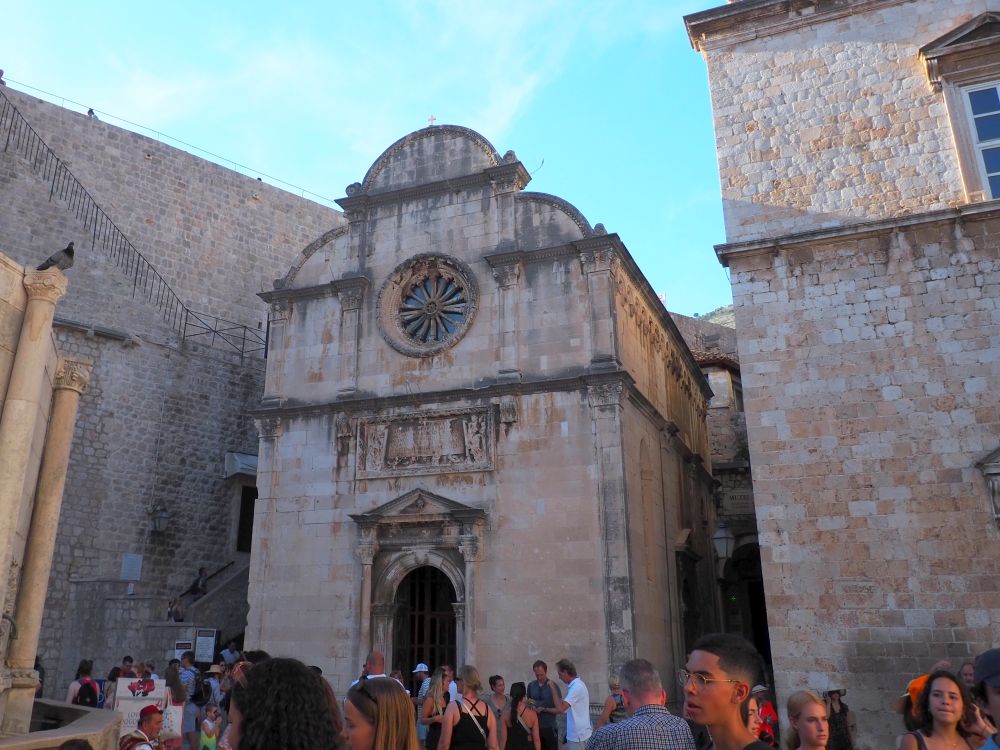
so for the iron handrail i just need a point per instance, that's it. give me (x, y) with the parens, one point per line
(147, 282)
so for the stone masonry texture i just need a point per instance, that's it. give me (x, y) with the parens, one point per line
(160, 414)
(866, 296)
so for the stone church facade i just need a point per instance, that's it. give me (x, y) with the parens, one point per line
(857, 144)
(519, 471)
(483, 439)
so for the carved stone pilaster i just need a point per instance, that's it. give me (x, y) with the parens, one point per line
(73, 374)
(352, 293)
(269, 427)
(508, 411)
(606, 394)
(459, 609)
(469, 546)
(593, 260)
(367, 552)
(507, 274)
(49, 285)
(281, 309)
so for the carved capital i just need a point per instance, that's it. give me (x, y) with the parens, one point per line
(269, 427)
(508, 410)
(507, 274)
(355, 214)
(606, 394)
(73, 374)
(384, 611)
(594, 260)
(459, 609)
(49, 285)
(281, 309)
(468, 545)
(343, 424)
(367, 551)
(351, 295)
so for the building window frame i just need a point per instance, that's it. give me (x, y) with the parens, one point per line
(965, 59)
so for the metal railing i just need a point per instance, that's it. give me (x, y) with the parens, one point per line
(147, 283)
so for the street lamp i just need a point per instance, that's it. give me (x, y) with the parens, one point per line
(723, 541)
(160, 518)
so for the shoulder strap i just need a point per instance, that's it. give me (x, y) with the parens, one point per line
(920, 740)
(521, 721)
(479, 726)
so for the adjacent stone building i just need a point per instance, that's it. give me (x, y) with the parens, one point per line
(857, 145)
(482, 437)
(170, 253)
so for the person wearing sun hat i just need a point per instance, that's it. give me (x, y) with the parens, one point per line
(145, 735)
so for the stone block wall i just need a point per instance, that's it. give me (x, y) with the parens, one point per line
(869, 378)
(159, 415)
(825, 117)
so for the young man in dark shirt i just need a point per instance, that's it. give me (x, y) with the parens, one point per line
(720, 670)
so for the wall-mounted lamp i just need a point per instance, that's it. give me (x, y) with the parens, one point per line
(723, 541)
(160, 518)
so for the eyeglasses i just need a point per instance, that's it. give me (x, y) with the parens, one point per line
(700, 681)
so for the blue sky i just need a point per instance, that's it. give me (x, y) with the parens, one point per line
(605, 103)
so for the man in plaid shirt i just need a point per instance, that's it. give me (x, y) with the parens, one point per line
(650, 725)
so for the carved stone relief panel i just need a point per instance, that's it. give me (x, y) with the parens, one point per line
(431, 443)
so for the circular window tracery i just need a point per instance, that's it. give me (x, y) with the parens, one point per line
(427, 304)
(434, 308)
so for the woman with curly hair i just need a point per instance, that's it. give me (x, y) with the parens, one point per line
(378, 715)
(810, 724)
(280, 703)
(943, 711)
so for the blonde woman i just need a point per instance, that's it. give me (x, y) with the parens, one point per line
(810, 724)
(614, 705)
(434, 707)
(378, 715)
(469, 724)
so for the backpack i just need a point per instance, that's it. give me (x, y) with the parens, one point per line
(87, 695)
(202, 692)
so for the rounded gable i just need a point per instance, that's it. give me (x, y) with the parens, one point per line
(440, 152)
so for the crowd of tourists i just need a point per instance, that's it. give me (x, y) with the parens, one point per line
(266, 702)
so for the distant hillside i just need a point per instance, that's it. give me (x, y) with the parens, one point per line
(723, 316)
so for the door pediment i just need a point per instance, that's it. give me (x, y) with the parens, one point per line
(420, 507)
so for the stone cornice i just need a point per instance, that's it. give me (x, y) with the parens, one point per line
(345, 285)
(361, 405)
(752, 19)
(982, 211)
(509, 174)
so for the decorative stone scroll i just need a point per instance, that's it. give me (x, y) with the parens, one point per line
(431, 443)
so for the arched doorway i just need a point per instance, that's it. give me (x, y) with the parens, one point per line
(424, 624)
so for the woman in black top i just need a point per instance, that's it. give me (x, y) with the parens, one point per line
(434, 708)
(469, 724)
(519, 722)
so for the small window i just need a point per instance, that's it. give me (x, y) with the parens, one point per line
(984, 112)
(244, 529)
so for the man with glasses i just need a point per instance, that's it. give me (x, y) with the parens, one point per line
(650, 725)
(720, 670)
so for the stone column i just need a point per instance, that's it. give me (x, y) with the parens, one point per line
(270, 429)
(600, 263)
(382, 614)
(507, 275)
(21, 407)
(72, 377)
(459, 609)
(351, 293)
(281, 310)
(605, 401)
(469, 546)
(366, 551)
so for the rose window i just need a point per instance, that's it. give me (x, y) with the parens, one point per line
(433, 309)
(427, 304)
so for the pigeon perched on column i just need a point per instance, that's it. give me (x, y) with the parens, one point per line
(61, 260)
